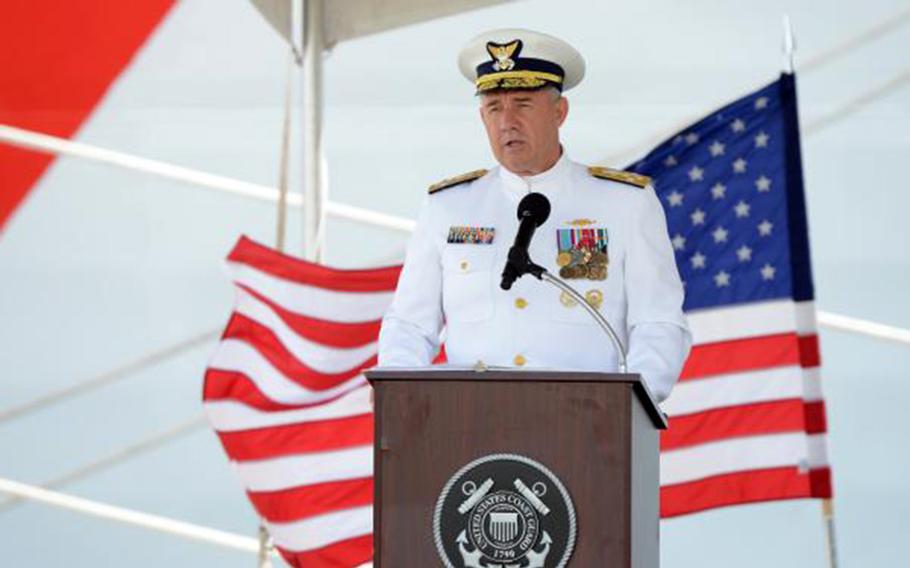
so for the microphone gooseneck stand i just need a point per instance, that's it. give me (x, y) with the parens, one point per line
(598, 317)
(520, 264)
(533, 211)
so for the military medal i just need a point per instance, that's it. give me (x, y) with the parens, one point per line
(467, 235)
(582, 253)
(595, 298)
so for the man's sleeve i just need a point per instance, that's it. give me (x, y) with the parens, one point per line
(659, 337)
(409, 336)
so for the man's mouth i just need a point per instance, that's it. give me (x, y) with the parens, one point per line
(512, 144)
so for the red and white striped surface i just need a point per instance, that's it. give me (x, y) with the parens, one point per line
(286, 395)
(747, 418)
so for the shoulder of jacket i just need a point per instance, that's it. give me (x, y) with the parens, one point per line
(630, 178)
(457, 180)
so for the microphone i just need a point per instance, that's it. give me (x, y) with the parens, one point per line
(533, 211)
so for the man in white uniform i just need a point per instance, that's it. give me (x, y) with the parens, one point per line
(606, 236)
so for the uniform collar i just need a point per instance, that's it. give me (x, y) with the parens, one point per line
(548, 182)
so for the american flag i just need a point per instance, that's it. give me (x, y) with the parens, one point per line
(747, 419)
(286, 395)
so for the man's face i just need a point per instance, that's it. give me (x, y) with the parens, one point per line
(523, 128)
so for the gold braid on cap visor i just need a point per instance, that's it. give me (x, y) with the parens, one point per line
(516, 80)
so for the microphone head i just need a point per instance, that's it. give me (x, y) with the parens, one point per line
(536, 206)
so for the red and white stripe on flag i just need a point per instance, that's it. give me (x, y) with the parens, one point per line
(286, 395)
(747, 419)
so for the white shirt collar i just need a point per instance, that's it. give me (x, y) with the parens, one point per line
(547, 182)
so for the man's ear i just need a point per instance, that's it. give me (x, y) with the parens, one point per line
(562, 109)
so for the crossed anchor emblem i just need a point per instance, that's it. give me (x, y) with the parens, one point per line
(472, 559)
(505, 522)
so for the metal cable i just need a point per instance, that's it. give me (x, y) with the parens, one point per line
(116, 457)
(812, 64)
(108, 377)
(130, 517)
(857, 103)
(866, 36)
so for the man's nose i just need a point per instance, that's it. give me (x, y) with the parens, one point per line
(507, 119)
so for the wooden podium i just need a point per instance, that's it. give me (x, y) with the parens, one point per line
(596, 432)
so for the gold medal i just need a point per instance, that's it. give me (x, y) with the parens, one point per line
(597, 272)
(595, 298)
(582, 252)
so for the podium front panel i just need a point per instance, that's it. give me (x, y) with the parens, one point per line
(587, 434)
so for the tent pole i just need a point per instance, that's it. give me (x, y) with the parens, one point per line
(313, 51)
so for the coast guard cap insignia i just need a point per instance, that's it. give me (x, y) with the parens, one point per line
(514, 58)
(504, 511)
(503, 53)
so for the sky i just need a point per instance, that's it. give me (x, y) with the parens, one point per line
(102, 265)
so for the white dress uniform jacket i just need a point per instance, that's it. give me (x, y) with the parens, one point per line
(456, 285)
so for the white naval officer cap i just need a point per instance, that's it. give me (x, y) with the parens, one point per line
(513, 58)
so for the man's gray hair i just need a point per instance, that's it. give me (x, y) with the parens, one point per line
(555, 93)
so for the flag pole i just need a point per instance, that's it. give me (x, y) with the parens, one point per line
(789, 45)
(284, 163)
(264, 556)
(313, 53)
(265, 548)
(828, 514)
(789, 51)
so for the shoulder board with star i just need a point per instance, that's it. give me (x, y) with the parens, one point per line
(621, 176)
(457, 180)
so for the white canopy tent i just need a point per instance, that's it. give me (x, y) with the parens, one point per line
(350, 19)
(311, 28)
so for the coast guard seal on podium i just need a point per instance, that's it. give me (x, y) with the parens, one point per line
(504, 511)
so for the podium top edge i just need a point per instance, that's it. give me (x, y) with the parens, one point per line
(399, 374)
(467, 373)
